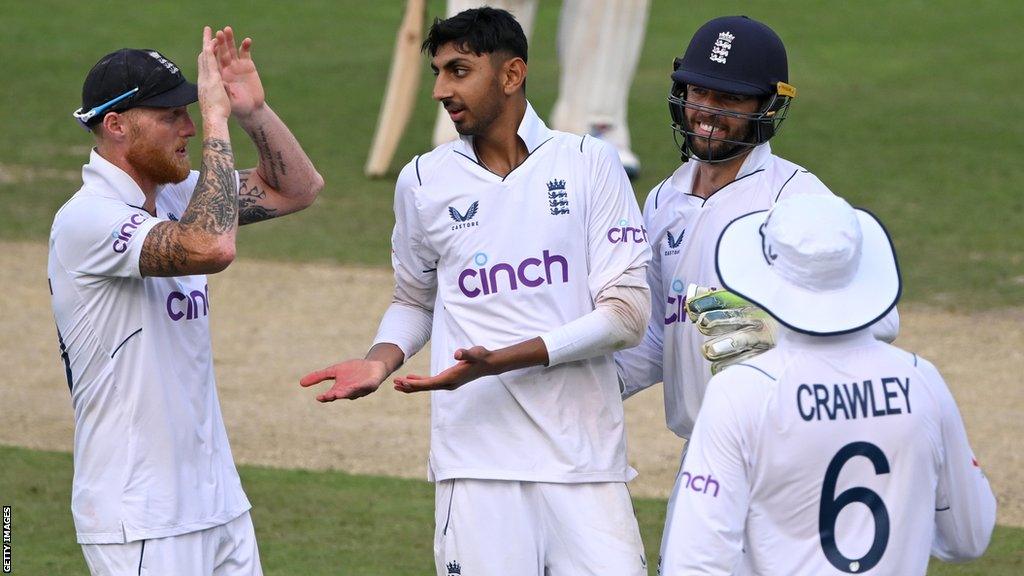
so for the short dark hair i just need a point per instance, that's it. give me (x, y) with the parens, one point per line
(479, 30)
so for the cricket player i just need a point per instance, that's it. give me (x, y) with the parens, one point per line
(155, 488)
(519, 251)
(833, 453)
(729, 96)
(599, 44)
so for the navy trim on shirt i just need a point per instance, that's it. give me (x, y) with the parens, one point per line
(473, 160)
(448, 518)
(758, 369)
(480, 164)
(795, 172)
(730, 184)
(657, 192)
(141, 554)
(123, 341)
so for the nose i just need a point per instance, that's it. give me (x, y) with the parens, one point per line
(189, 128)
(441, 91)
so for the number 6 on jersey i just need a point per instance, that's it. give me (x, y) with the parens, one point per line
(831, 506)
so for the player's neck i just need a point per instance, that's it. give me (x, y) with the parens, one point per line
(500, 149)
(711, 178)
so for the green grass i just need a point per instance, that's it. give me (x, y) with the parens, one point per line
(312, 523)
(908, 108)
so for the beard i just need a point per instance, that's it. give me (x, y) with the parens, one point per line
(156, 162)
(480, 121)
(712, 147)
(482, 115)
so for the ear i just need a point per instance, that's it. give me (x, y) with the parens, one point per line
(513, 75)
(115, 125)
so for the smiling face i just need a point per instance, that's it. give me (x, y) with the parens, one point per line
(158, 143)
(715, 134)
(469, 86)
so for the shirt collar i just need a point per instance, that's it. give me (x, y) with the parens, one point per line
(756, 160)
(103, 177)
(532, 131)
(682, 178)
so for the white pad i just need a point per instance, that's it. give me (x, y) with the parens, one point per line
(599, 45)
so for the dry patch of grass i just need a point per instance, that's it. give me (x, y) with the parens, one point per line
(274, 322)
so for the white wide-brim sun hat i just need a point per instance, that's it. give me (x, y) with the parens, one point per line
(815, 263)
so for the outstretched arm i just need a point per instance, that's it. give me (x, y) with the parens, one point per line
(284, 180)
(357, 378)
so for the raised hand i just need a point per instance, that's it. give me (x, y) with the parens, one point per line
(213, 99)
(239, 72)
(352, 379)
(472, 363)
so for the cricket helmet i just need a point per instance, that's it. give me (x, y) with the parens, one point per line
(736, 55)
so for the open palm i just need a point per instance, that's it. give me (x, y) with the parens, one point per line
(352, 379)
(242, 82)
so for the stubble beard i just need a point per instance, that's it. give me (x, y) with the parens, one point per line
(708, 149)
(485, 114)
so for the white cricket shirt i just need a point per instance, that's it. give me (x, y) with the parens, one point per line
(684, 231)
(827, 455)
(502, 260)
(151, 453)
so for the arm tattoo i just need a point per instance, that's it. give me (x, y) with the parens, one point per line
(162, 252)
(214, 204)
(213, 210)
(251, 200)
(271, 161)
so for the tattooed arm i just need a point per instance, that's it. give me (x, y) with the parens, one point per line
(203, 240)
(284, 180)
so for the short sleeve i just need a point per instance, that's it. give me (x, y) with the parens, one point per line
(101, 237)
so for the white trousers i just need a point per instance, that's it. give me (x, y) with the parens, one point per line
(225, 550)
(500, 527)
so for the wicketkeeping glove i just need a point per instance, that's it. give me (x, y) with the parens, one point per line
(736, 329)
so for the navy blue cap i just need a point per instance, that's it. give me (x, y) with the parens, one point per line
(152, 79)
(734, 54)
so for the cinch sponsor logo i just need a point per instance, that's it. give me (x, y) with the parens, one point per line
(700, 484)
(530, 273)
(190, 307)
(123, 235)
(675, 310)
(625, 233)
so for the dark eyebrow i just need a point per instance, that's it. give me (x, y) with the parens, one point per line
(449, 64)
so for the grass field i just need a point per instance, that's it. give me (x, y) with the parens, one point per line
(910, 109)
(314, 523)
